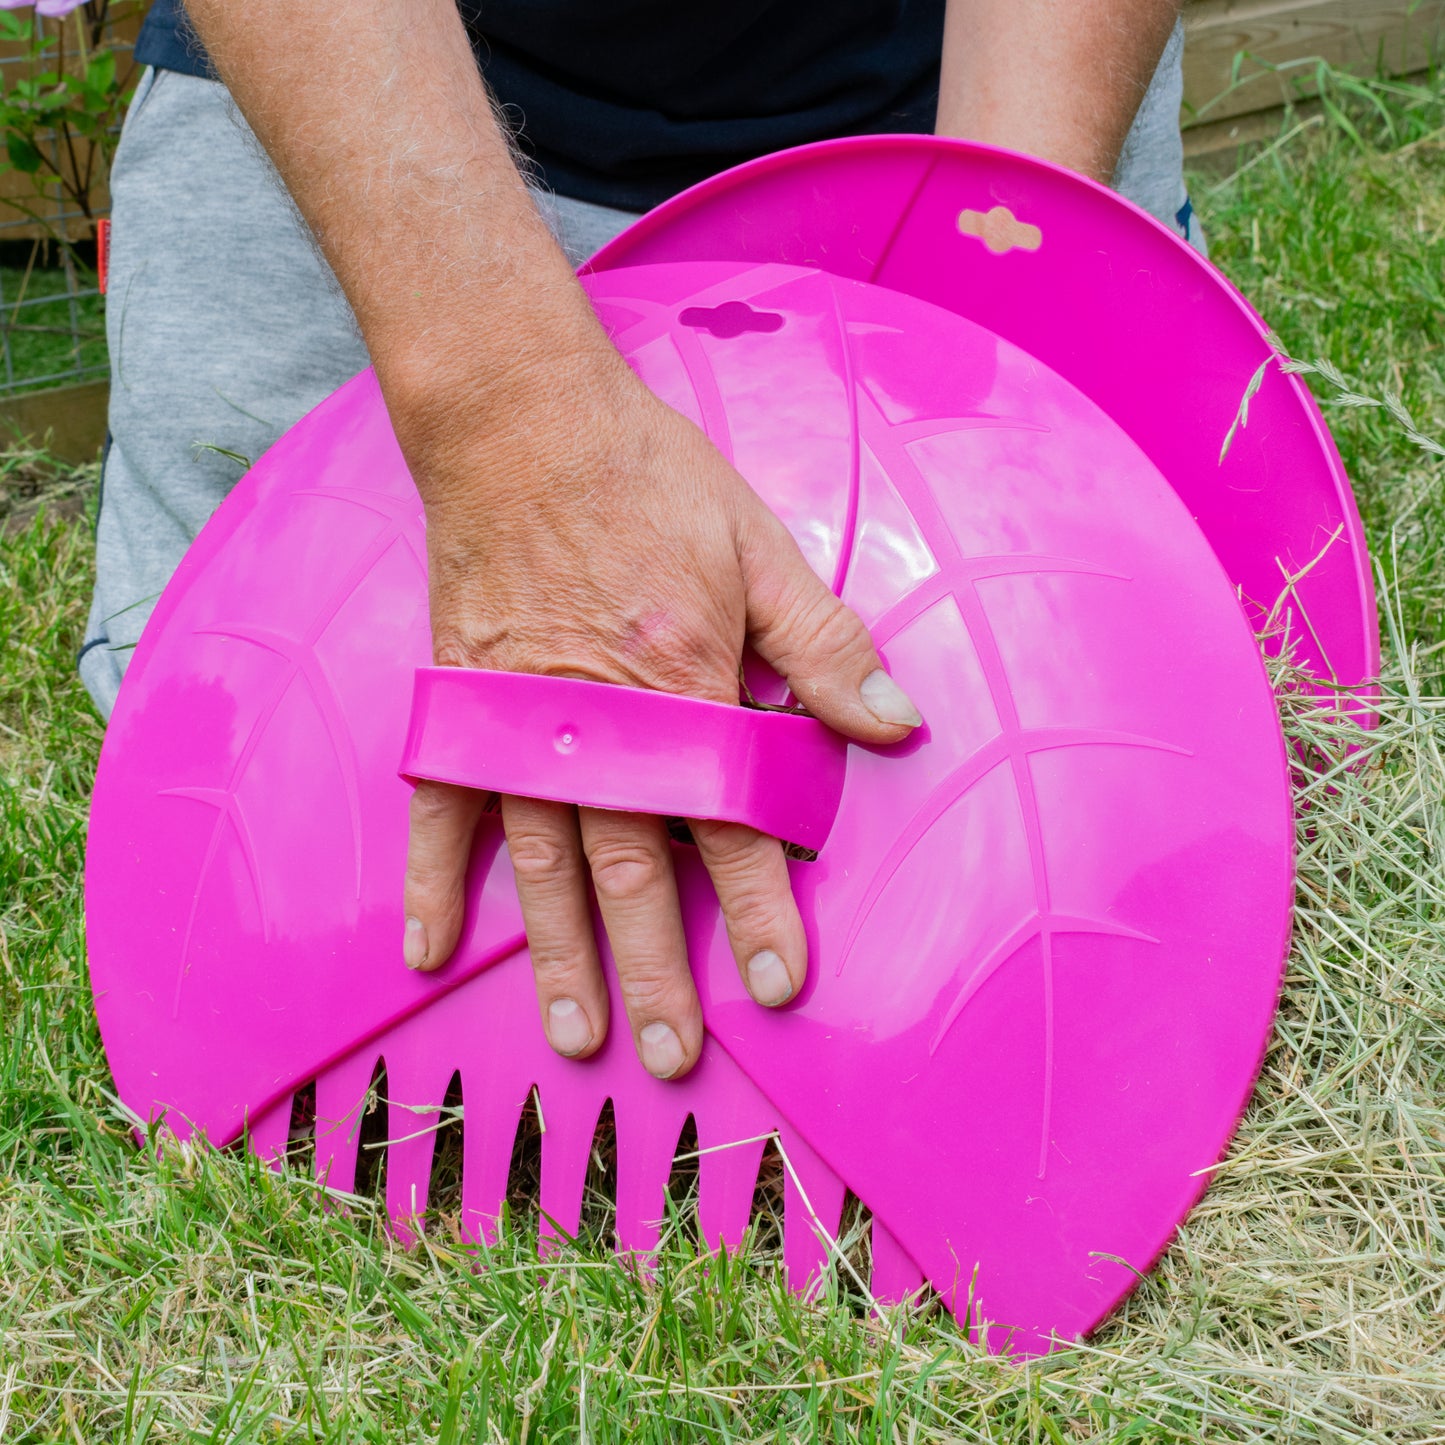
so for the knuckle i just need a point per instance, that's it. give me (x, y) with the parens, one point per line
(655, 990)
(561, 966)
(820, 629)
(423, 893)
(753, 917)
(538, 858)
(750, 877)
(431, 878)
(732, 851)
(750, 891)
(626, 872)
(427, 890)
(431, 804)
(831, 630)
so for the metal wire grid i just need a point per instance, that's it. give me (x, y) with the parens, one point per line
(74, 326)
(67, 317)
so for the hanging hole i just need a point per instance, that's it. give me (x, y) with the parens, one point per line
(372, 1137)
(1000, 230)
(732, 318)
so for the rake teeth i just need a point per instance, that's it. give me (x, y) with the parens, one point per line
(647, 1136)
(732, 1132)
(895, 1277)
(487, 1137)
(727, 1176)
(413, 1113)
(566, 1147)
(267, 1134)
(812, 1210)
(340, 1097)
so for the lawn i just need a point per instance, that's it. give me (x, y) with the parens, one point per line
(180, 1295)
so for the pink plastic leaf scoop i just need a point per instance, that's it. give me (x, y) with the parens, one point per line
(1045, 934)
(1114, 302)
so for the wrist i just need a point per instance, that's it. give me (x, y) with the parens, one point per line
(505, 413)
(484, 364)
(477, 322)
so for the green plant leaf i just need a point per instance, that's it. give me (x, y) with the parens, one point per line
(22, 152)
(15, 27)
(100, 74)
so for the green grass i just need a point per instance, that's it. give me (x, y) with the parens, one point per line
(195, 1296)
(1337, 237)
(46, 339)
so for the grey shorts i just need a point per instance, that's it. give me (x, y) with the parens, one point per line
(226, 326)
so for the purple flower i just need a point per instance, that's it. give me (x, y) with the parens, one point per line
(54, 9)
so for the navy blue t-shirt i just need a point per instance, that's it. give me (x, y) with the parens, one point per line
(626, 102)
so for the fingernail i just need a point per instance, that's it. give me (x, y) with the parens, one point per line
(567, 1026)
(768, 980)
(413, 943)
(661, 1050)
(887, 701)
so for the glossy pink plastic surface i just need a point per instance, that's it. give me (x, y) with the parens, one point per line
(1045, 933)
(616, 747)
(1114, 302)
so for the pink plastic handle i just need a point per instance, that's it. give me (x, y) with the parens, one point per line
(621, 747)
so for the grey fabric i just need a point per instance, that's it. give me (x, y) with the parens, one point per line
(1151, 166)
(225, 325)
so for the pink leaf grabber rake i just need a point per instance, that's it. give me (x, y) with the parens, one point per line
(1045, 933)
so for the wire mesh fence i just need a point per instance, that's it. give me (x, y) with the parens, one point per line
(52, 326)
(52, 322)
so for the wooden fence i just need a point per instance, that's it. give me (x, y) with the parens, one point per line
(1229, 101)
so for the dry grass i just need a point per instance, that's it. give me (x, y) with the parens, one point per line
(31, 482)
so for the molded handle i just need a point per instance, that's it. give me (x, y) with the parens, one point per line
(621, 747)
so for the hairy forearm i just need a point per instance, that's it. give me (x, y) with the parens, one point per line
(1060, 79)
(378, 120)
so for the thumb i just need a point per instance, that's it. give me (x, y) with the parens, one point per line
(819, 646)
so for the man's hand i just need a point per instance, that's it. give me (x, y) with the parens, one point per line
(601, 535)
(574, 523)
